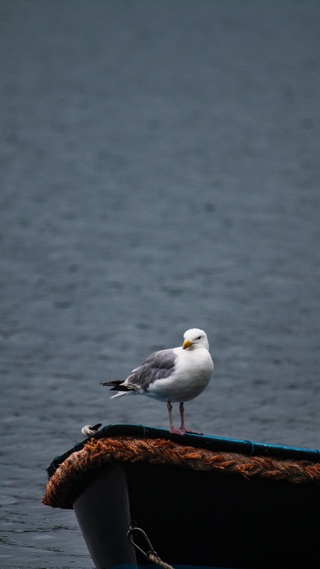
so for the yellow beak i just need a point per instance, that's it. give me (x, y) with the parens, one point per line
(186, 344)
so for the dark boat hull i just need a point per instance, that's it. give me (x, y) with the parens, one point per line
(198, 518)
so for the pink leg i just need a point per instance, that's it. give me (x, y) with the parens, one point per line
(183, 427)
(172, 428)
(181, 409)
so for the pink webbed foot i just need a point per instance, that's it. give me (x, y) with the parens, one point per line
(174, 431)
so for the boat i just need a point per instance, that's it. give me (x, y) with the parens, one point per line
(145, 497)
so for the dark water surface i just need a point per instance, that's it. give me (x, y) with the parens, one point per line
(159, 171)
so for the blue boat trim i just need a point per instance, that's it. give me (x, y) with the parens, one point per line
(209, 442)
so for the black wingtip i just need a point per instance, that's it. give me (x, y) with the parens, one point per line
(115, 384)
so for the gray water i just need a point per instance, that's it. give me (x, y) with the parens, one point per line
(159, 171)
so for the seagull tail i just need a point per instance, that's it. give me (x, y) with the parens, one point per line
(118, 385)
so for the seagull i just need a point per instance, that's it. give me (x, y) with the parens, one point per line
(174, 375)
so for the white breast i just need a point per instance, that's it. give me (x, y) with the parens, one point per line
(192, 373)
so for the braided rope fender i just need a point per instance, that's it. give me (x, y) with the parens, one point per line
(98, 452)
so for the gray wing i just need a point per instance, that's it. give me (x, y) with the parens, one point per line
(158, 365)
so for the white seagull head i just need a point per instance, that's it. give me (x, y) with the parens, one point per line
(195, 338)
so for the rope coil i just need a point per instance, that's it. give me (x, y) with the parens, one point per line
(98, 452)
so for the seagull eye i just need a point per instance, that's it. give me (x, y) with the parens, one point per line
(199, 338)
